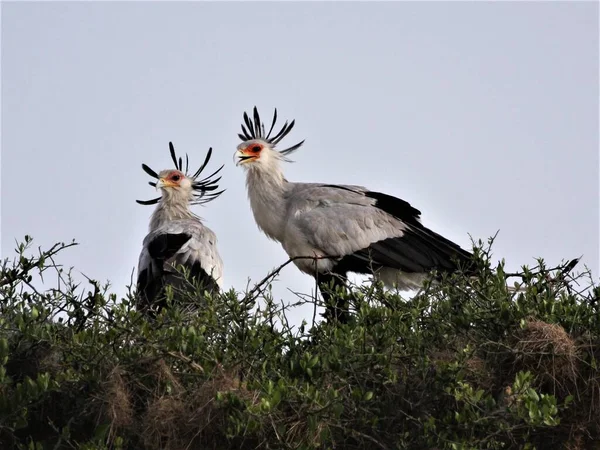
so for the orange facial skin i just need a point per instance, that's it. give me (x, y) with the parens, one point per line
(172, 179)
(251, 152)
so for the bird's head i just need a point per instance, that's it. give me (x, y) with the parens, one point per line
(258, 149)
(179, 186)
(174, 183)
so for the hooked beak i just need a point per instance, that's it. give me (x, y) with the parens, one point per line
(164, 183)
(243, 158)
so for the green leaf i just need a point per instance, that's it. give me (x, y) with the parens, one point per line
(531, 393)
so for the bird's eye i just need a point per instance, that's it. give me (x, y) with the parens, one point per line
(255, 149)
(175, 177)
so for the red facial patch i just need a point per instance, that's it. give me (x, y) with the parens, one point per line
(254, 149)
(175, 176)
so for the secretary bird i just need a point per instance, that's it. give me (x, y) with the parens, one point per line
(177, 236)
(344, 228)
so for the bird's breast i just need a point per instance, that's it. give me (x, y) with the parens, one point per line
(307, 258)
(269, 215)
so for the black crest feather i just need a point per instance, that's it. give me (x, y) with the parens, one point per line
(205, 190)
(255, 129)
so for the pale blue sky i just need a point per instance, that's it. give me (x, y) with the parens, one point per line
(482, 115)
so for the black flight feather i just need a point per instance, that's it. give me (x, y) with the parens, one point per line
(396, 207)
(165, 245)
(152, 281)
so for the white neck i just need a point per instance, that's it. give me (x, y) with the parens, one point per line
(266, 191)
(173, 208)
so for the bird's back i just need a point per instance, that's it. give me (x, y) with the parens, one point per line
(367, 229)
(185, 242)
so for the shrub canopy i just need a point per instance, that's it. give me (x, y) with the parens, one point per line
(467, 363)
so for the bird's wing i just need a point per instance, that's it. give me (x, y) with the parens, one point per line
(421, 245)
(186, 242)
(149, 280)
(152, 276)
(365, 229)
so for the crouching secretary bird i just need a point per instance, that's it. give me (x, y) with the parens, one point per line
(335, 229)
(177, 236)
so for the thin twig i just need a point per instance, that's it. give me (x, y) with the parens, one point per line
(250, 295)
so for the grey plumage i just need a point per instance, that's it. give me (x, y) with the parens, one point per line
(177, 236)
(361, 230)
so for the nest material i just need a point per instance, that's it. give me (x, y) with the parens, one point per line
(548, 351)
(188, 419)
(118, 405)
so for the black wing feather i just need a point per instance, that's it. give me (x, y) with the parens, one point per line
(411, 253)
(152, 281)
(164, 246)
(396, 207)
(418, 250)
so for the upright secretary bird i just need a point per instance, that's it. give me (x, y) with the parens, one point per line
(177, 236)
(362, 231)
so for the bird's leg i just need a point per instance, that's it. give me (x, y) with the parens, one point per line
(336, 306)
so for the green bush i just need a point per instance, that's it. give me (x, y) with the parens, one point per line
(468, 363)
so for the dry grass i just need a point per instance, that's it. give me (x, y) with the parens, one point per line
(117, 405)
(119, 408)
(164, 423)
(548, 351)
(169, 416)
(189, 419)
(479, 374)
